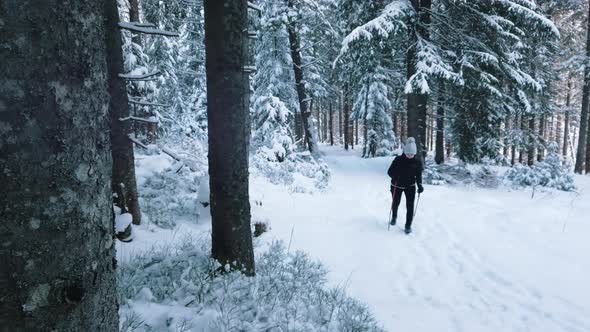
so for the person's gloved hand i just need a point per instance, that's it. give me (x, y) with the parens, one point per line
(420, 189)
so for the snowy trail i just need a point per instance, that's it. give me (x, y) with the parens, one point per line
(479, 260)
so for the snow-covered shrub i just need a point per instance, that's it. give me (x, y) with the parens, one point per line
(460, 173)
(300, 171)
(549, 173)
(172, 287)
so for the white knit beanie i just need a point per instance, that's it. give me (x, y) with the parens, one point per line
(410, 146)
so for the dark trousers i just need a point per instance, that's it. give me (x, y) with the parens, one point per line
(410, 193)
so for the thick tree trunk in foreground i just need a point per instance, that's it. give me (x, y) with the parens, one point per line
(57, 253)
(123, 180)
(226, 45)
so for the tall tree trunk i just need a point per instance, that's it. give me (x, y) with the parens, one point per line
(226, 47)
(57, 253)
(134, 17)
(581, 152)
(331, 123)
(346, 108)
(416, 101)
(123, 181)
(506, 130)
(356, 128)
(566, 115)
(295, 46)
(542, 125)
(531, 141)
(341, 111)
(521, 148)
(439, 154)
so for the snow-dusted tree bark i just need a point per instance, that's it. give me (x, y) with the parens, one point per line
(123, 180)
(134, 17)
(226, 47)
(581, 152)
(531, 141)
(566, 124)
(331, 123)
(439, 155)
(57, 258)
(346, 113)
(295, 45)
(417, 100)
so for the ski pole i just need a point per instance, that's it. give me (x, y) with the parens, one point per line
(417, 202)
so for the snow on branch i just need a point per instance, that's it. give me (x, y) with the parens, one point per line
(143, 25)
(149, 31)
(134, 118)
(249, 69)
(176, 157)
(254, 7)
(144, 77)
(145, 103)
(136, 141)
(390, 21)
(252, 34)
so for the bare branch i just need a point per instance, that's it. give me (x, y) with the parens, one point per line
(254, 7)
(134, 118)
(149, 31)
(144, 77)
(145, 103)
(136, 141)
(143, 25)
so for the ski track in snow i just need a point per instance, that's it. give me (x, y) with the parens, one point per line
(478, 260)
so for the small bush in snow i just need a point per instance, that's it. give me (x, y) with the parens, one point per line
(301, 171)
(459, 173)
(170, 194)
(175, 287)
(549, 173)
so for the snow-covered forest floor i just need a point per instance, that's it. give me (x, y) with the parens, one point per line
(478, 260)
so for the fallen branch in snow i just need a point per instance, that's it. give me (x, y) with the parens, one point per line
(143, 77)
(145, 103)
(137, 142)
(149, 31)
(134, 118)
(177, 158)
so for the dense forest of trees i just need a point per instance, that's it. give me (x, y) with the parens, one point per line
(82, 84)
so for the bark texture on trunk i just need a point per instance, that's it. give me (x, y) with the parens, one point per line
(57, 258)
(581, 152)
(531, 141)
(439, 154)
(226, 46)
(295, 46)
(416, 101)
(331, 124)
(345, 108)
(123, 181)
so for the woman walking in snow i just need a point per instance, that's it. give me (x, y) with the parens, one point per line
(405, 173)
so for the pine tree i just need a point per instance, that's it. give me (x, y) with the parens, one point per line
(57, 259)
(226, 43)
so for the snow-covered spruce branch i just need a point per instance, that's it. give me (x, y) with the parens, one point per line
(134, 118)
(390, 21)
(145, 103)
(254, 7)
(149, 31)
(144, 77)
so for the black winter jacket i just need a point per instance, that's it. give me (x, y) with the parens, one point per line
(405, 172)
